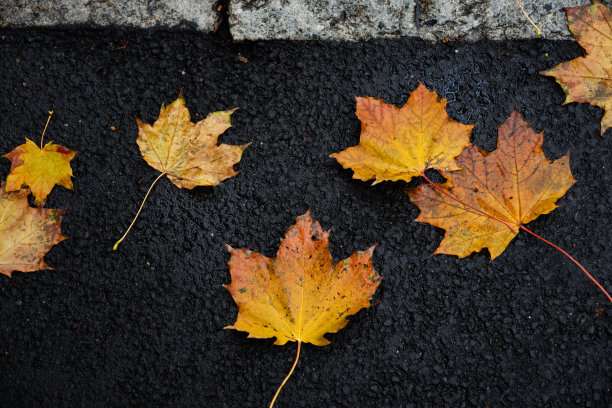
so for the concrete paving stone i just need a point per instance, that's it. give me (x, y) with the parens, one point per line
(504, 19)
(135, 13)
(429, 19)
(351, 20)
(440, 19)
(323, 20)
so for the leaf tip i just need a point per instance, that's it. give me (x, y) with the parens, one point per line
(370, 250)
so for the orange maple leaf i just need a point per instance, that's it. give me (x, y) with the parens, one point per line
(187, 153)
(27, 233)
(401, 143)
(589, 79)
(301, 294)
(40, 168)
(495, 194)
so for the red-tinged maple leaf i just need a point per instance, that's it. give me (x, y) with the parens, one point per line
(490, 200)
(515, 184)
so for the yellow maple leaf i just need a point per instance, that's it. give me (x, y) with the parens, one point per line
(26, 233)
(401, 143)
(187, 153)
(301, 294)
(40, 168)
(589, 79)
(494, 194)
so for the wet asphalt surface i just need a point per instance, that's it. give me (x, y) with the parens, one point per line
(143, 326)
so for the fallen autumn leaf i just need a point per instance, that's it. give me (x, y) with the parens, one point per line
(301, 294)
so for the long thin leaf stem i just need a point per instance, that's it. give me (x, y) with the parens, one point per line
(572, 259)
(45, 129)
(297, 357)
(521, 227)
(138, 213)
(526, 15)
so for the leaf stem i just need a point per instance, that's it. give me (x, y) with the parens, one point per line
(138, 213)
(297, 356)
(45, 129)
(526, 15)
(521, 227)
(572, 259)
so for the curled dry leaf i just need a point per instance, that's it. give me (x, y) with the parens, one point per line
(503, 190)
(26, 233)
(39, 168)
(589, 79)
(301, 294)
(401, 143)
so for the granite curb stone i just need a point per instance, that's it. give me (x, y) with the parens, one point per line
(129, 13)
(337, 20)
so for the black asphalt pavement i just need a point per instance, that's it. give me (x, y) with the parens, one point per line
(143, 326)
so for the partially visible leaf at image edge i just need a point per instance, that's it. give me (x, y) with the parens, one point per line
(301, 294)
(26, 233)
(588, 79)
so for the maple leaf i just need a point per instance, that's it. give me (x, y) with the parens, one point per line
(589, 79)
(187, 153)
(40, 168)
(301, 294)
(401, 143)
(26, 233)
(495, 194)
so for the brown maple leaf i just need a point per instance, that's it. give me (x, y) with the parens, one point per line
(26, 233)
(401, 143)
(589, 79)
(495, 194)
(40, 168)
(503, 190)
(301, 294)
(187, 153)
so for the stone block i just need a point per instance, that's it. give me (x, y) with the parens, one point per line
(504, 19)
(321, 20)
(429, 19)
(134, 13)
(447, 19)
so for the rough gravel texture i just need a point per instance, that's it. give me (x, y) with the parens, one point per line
(143, 326)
